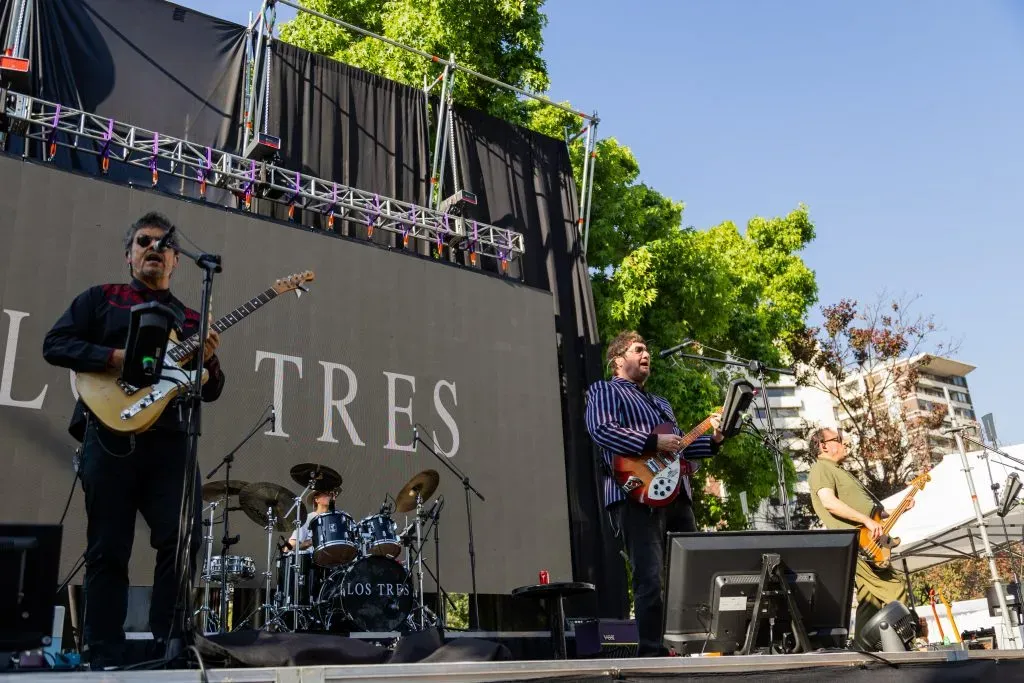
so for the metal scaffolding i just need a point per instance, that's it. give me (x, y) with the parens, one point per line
(54, 126)
(257, 88)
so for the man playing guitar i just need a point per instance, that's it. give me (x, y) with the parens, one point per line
(621, 418)
(841, 502)
(123, 475)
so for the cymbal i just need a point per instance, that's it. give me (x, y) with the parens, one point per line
(424, 483)
(215, 489)
(256, 498)
(325, 478)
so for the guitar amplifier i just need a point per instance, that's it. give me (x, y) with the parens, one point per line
(611, 638)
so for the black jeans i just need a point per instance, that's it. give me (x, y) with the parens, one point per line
(119, 482)
(643, 530)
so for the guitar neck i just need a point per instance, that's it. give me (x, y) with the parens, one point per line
(900, 509)
(186, 348)
(696, 433)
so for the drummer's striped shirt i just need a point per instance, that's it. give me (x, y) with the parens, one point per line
(621, 417)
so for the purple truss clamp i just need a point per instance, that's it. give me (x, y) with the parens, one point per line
(474, 240)
(105, 147)
(153, 158)
(52, 137)
(372, 216)
(330, 209)
(443, 229)
(206, 165)
(293, 198)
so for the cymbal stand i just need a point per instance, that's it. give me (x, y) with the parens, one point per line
(419, 555)
(271, 521)
(297, 507)
(206, 569)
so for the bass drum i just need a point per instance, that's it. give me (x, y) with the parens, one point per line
(373, 594)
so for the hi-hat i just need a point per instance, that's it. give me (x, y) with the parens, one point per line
(324, 478)
(256, 498)
(215, 489)
(424, 483)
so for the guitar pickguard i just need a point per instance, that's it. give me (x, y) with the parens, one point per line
(173, 377)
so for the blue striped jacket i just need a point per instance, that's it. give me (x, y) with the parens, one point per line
(620, 419)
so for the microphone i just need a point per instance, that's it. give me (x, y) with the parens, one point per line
(415, 436)
(433, 510)
(165, 240)
(273, 419)
(665, 353)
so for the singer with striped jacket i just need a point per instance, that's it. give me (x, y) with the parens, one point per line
(621, 417)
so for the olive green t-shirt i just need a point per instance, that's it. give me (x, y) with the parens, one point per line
(826, 474)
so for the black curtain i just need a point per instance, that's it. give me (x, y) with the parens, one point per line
(523, 181)
(146, 62)
(343, 124)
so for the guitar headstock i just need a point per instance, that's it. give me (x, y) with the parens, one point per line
(296, 282)
(920, 480)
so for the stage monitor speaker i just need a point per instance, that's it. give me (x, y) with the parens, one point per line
(606, 638)
(29, 562)
(714, 578)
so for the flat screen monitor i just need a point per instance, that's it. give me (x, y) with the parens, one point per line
(712, 579)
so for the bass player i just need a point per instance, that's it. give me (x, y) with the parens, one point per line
(621, 417)
(123, 475)
(841, 502)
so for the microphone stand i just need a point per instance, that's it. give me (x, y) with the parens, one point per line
(771, 439)
(227, 541)
(474, 615)
(211, 264)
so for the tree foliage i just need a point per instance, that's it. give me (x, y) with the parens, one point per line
(967, 579)
(737, 292)
(742, 292)
(858, 357)
(499, 38)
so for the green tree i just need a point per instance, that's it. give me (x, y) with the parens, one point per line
(741, 292)
(498, 38)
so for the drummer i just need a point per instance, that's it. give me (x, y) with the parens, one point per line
(321, 500)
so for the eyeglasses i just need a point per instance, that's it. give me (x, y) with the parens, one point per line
(146, 240)
(837, 438)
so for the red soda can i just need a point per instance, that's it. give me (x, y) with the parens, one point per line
(544, 576)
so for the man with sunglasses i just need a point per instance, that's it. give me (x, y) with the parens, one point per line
(126, 475)
(842, 502)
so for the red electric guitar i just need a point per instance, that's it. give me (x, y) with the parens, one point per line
(655, 478)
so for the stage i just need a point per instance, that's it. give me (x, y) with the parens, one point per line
(987, 665)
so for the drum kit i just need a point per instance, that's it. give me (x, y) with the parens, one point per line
(335, 574)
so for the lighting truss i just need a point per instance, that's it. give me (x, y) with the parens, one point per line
(57, 125)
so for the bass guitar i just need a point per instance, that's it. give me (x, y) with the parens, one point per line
(126, 409)
(655, 478)
(877, 551)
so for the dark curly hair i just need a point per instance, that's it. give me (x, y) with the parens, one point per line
(153, 219)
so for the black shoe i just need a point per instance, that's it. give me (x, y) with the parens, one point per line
(103, 656)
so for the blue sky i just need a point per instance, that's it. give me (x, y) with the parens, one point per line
(900, 125)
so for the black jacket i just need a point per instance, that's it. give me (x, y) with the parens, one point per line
(96, 323)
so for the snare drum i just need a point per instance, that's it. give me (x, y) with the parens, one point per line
(379, 534)
(238, 568)
(335, 541)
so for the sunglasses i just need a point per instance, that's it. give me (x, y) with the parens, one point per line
(146, 240)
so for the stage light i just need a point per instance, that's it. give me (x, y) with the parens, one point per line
(1011, 490)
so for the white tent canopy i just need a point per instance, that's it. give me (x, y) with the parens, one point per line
(942, 525)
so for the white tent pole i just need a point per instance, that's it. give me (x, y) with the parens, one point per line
(997, 583)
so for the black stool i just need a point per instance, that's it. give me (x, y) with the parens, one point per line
(554, 593)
